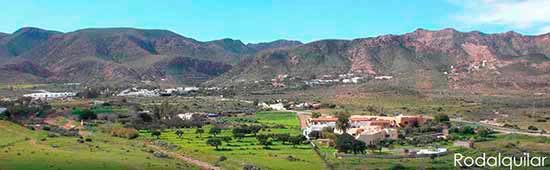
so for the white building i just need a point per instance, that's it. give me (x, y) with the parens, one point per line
(139, 92)
(45, 95)
(277, 106)
(383, 77)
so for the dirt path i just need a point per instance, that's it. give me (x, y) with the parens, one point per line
(303, 116)
(199, 163)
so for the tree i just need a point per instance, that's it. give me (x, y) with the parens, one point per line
(216, 142)
(531, 127)
(87, 114)
(238, 136)
(372, 147)
(344, 143)
(226, 139)
(283, 138)
(358, 146)
(343, 123)
(254, 129)
(483, 132)
(264, 140)
(179, 133)
(315, 115)
(156, 133)
(199, 131)
(296, 140)
(441, 118)
(214, 131)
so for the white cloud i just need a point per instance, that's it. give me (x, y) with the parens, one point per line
(544, 30)
(521, 14)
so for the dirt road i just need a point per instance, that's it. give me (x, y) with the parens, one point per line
(199, 163)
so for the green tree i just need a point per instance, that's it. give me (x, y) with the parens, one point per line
(343, 123)
(264, 140)
(483, 132)
(344, 143)
(315, 115)
(358, 146)
(283, 138)
(296, 140)
(179, 133)
(216, 142)
(214, 131)
(531, 127)
(87, 114)
(254, 129)
(441, 118)
(199, 131)
(156, 133)
(238, 136)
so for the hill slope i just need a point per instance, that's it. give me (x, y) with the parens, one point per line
(471, 60)
(115, 55)
(26, 149)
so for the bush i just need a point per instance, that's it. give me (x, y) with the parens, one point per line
(531, 127)
(129, 133)
(441, 118)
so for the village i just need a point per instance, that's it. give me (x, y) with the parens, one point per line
(300, 129)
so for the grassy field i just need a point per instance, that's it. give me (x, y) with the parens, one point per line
(247, 150)
(505, 144)
(33, 150)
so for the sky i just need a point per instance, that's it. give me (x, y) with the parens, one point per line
(267, 20)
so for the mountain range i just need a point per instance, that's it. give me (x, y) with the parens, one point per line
(445, 59)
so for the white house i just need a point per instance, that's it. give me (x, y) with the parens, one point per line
(383, 77)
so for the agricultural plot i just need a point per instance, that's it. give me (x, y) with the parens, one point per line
(241, 152)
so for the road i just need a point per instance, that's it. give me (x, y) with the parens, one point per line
(502, 129)
(303, 116)
(199, 163)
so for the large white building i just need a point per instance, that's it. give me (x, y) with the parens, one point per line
(139, 92)
(45, 95)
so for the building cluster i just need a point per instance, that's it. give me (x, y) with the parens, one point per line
(160, 92)
(369, 129)
(45, 95)
(341, 78)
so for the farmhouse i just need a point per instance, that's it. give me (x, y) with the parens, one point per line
(370, 129)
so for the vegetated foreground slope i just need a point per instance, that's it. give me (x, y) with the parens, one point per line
(471, 60)
(22, 148)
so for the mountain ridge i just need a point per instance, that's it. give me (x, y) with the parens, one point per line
(130, 55)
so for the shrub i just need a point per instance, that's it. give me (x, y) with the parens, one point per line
(118, 130)
(531, 127)
(128, 133)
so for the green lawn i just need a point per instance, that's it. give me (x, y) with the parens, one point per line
(23, 149)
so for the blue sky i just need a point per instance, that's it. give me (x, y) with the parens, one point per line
(267, 20)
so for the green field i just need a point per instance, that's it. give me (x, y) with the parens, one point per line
(33, 150)
(505, 144)
(247, 151)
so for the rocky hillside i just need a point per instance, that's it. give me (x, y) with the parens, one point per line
(116, 55)
(445, 59)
